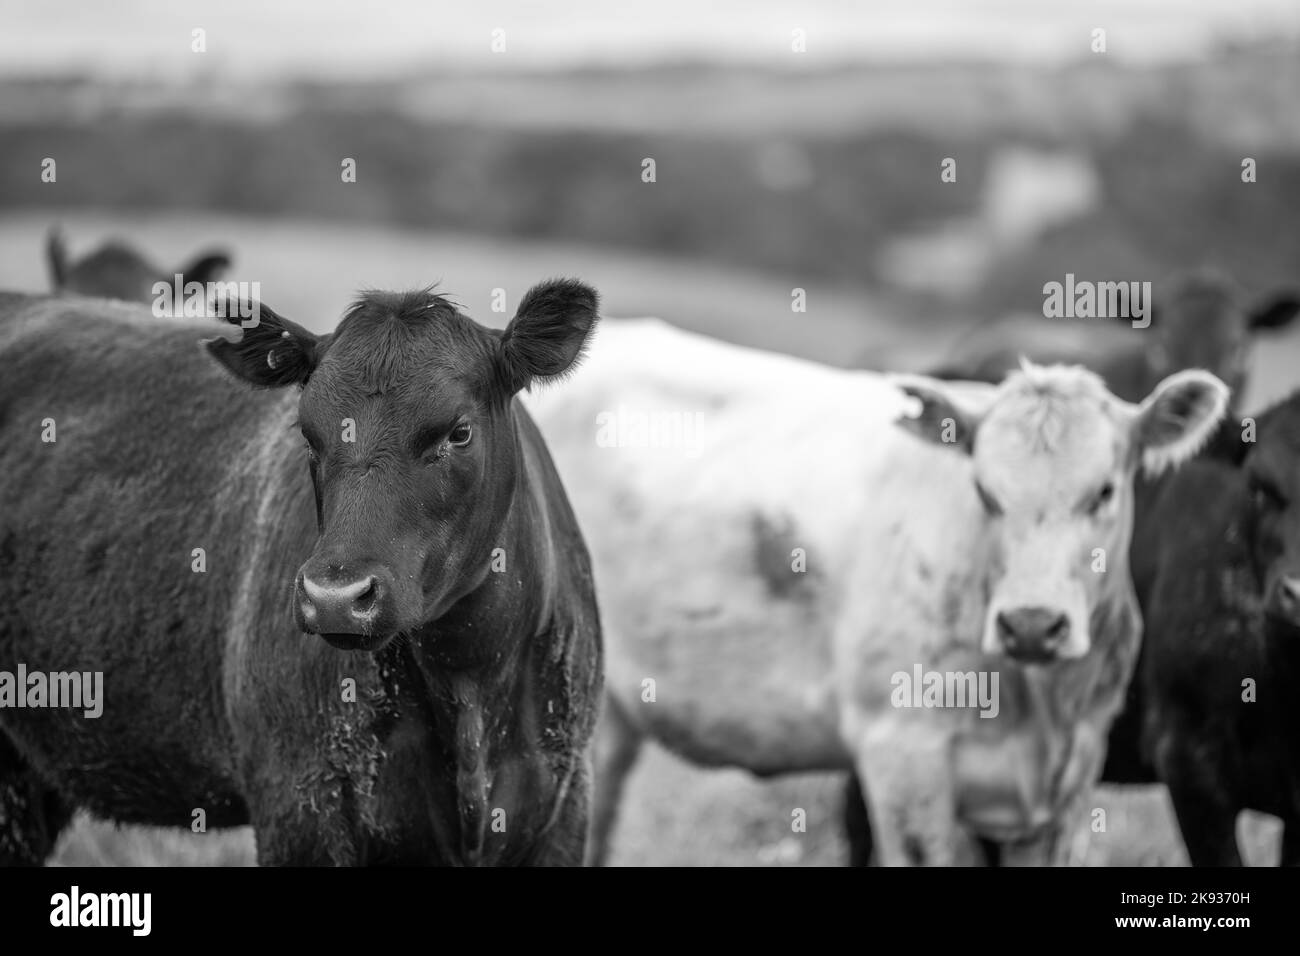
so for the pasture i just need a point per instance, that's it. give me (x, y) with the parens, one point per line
(673, 814)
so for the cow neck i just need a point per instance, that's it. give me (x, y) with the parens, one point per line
(476, 663)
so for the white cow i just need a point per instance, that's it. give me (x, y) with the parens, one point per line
(775, 542)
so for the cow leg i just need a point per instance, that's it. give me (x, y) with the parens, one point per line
(857, 822)
(1064, 843)
(1058, 846)
(287, 836)
(618, 742)
(909, 790)
(1024, 853)
(992, 851)
(31, 814)
(1208, 828)
(566, 843)
(286, 846)
(1207, 815)
(1290, 843)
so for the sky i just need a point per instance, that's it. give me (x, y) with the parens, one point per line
(378, 38)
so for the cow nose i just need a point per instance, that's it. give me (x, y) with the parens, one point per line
(339, 607)
(1033, 634)
(1286, 598)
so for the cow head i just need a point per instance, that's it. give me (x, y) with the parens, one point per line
(1204, 323)
(1054, 456)
(408, 421)
(117, 271)
(1271, 467)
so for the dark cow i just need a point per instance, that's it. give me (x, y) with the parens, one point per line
(117, 271)
(1202, 322)
(1126, 761)
(380, 487)
(1220, 592)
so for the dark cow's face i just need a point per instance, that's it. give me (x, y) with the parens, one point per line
(408, 425)
(1272, 472)
(1203, 324)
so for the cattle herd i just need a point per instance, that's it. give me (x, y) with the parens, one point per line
(417, 590)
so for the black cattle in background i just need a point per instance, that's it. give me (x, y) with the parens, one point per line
(1221, 601)
(1202, 321)
(117, 271)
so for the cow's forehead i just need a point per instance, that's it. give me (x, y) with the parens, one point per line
(415, 349)
(1049, 432)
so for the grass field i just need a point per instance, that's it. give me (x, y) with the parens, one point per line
(678, 815)
(673, 814)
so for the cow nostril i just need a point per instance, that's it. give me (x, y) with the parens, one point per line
(361, 592)
(367, 594)
(1058, 629)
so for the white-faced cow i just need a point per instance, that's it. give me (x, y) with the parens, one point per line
(776, 542)
(117, 271)
(176, 531)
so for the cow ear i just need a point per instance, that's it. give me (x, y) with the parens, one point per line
(941, 420)
(1177, 418)
(207, 267)
(1276, 311)
(548, 334)
(270, 354)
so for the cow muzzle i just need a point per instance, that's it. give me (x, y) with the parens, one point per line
(351, 612)
(1033, 635)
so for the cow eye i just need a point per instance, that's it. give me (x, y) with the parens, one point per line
(460, 435)
(1102, 498)
(987, 500)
